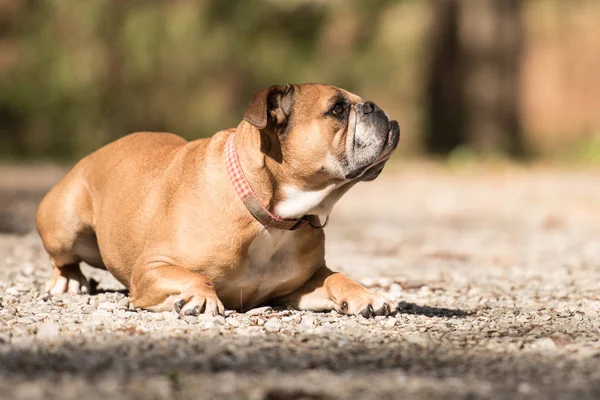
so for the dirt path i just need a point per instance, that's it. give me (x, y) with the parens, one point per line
(497, 271)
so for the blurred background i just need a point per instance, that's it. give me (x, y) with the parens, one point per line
(505, 77)
(467, 79)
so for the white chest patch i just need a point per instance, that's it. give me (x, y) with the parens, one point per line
(299, 202)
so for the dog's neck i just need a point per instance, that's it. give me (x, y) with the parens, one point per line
(281, 198)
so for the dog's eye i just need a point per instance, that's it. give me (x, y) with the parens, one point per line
(338, 109)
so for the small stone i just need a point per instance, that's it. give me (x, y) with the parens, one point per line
(273, 325)
(25, 320)
(155, 316)
(307, 321)
(28, 270)
(259, 310)
(368, 282)
(425, 291)
(384, 282)
(395, 289)
(210, 321)
(101, 315)
(319, 330)
(13, 291)
(169, 315)
(48, 331)
(582, 353)
(525, 388)
(107, 306)
(390, 322)
(123, 303)
(416, 338)
(544, 346)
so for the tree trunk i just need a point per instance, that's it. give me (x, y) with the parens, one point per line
(473, 85)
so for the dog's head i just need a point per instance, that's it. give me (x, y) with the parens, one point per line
(322, 136)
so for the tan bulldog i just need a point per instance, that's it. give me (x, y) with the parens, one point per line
(227, 222)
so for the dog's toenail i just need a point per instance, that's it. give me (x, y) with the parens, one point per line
(344, 305)
(368, 312)
(386, 308)
(177, 305)
(189, 311)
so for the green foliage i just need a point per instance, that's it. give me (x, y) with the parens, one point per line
(464, 156)
(78, 74)
(586, 151)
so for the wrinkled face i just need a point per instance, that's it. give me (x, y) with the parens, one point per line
(326, 134)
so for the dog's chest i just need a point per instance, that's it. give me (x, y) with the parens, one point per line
(271, 260)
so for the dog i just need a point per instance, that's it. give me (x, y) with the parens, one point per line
(228, 222)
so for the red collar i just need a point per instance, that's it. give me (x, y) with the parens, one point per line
(249, 198)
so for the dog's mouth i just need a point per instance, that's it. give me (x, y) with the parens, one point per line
(391, 143)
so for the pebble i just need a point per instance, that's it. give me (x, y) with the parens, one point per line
(416, 338)
(28, 270)
(259, 311)
(307, 321)
(425, 291)
(395, 290)
(389, 322)
(384, 283)
(48, 331)
(101, 315)
(544, 346)
(123, 303)
(273, 325)
(107, 306)
(12, 291)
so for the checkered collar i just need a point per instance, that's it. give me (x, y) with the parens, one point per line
(249, 198)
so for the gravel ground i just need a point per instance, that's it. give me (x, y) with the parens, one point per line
(497, 272)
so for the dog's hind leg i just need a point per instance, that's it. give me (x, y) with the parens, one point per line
(67, 279)
(64, 222)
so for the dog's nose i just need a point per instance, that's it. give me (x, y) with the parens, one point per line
(368, 107)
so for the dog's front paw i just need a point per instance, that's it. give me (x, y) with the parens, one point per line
(202, 301)
(366, 303)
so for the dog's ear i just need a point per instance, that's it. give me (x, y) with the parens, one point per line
(270, 105)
